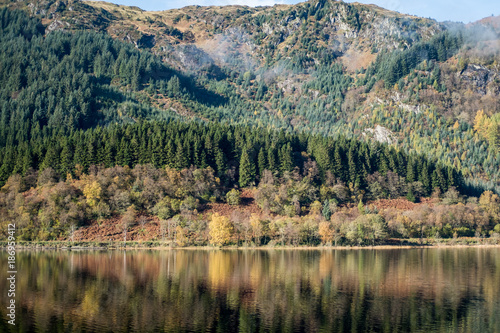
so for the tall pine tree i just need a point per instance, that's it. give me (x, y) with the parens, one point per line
(247, 169)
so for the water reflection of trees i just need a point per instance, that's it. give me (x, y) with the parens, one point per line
(396, 290)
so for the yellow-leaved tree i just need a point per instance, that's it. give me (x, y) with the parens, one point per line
(221, 230)
(326, 232)
(494, 131)
(488, 128)
(181, 238)
(481, 124)
(256, 224)
(490, 202)
(92, 192)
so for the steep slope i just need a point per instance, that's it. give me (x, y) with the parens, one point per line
(317, 31)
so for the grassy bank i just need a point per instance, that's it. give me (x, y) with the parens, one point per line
(392, 243)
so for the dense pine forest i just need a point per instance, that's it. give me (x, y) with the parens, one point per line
(238, 155)
(63, 82)
(97, 125)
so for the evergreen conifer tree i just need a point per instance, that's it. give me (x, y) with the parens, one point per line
(271, 160)
(327, 213)
(220, 161)
(261, 161)
(286, 162)
(337, 163)
(247, 169)
(180, 157)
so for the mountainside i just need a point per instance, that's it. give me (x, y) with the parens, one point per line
(338, 29)
(319, 66)
(93, 83)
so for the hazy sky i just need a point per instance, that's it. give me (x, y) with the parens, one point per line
(441, 10)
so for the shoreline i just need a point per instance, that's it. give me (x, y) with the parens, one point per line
(158, 246)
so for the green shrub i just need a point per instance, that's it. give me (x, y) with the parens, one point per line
(233, 197)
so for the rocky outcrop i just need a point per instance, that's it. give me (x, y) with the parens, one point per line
(58, 25)
(381, 134)
(479, 77)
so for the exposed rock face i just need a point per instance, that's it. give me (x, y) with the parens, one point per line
(192, 57)
(381, 134)
(57, 25)
(49, 9)
(412, 108)
(479, 77)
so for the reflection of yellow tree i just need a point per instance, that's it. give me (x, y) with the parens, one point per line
(326, 263)
(276, 288)
(219, 269)
(90, 303)
(221, 230)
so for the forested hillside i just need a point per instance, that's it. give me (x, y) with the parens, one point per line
(66, 81)
(317, 106)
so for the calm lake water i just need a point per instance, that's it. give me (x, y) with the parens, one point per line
(399, 290)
